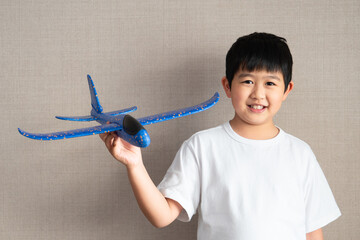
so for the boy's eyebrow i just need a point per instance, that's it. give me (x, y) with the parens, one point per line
(273, 77)
(243, 75)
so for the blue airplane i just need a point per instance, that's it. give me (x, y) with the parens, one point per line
(125, 126)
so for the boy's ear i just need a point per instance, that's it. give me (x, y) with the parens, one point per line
(288, 90)
(226, 86)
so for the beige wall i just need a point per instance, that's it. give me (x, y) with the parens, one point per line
(158, 55)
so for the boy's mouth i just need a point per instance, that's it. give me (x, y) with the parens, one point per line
(257, 107)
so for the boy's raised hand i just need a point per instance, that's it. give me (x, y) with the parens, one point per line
(121, 150)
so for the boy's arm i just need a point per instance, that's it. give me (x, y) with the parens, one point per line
(159, 210)
(315, 235)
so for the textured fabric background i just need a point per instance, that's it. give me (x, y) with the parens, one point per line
(158, 55)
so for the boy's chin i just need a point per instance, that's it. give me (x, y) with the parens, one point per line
(252, 122)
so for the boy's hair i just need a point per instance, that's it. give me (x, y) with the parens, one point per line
(259, 51)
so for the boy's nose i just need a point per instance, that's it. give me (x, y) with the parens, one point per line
(258, 92)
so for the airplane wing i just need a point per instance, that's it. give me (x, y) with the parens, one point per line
(77, 118)
(123, 111)
(180, 112)
(72, 133)
(92, 118)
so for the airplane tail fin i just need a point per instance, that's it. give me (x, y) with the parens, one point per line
(95, 103)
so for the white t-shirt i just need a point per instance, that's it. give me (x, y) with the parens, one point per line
(249, 189)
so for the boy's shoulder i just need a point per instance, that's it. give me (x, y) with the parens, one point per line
(295, 141)
(207, 136)
(298, 150)
(212, 132)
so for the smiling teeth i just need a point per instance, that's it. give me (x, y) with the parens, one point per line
(257, 106)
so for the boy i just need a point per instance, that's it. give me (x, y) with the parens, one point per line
(247, 178)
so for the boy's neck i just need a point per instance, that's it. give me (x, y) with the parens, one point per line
(255, 132)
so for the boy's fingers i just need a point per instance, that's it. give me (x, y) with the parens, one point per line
(114, 134)
(109, 141)
(103, 136)
(116, 141)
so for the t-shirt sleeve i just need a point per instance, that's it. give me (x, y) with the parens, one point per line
(182, 182)
(320, 204)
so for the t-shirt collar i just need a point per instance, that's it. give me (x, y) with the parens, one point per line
(241, 139)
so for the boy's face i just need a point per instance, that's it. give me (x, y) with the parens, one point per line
(256, 96)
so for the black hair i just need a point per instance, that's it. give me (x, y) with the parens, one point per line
(259, 51)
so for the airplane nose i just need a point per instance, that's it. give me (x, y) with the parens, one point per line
(142, 138)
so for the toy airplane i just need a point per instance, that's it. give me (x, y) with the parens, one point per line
(125, 126)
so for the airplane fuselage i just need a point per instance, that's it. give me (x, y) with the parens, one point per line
(132, 131)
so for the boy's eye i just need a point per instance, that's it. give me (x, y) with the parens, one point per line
(270, 84)
(248, 82)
